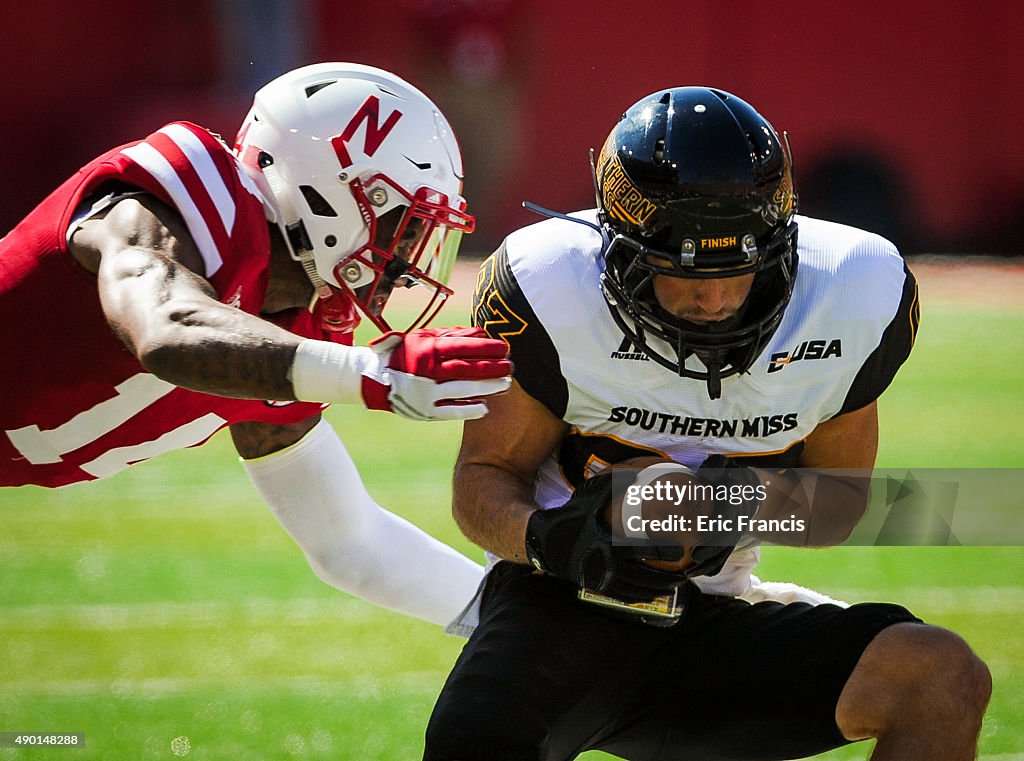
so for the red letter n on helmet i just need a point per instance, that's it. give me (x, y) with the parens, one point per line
(369, 112)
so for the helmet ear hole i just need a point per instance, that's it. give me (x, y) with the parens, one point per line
(316, 202)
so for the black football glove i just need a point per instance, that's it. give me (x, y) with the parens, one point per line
(573, 542)
(712, 550)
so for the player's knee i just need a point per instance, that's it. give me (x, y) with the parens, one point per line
(928, 666)
(949, 668)
(980, 683)
(914, 676)
(484, 722)
(969, 678)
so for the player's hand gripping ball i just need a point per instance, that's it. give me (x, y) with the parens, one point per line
(684, 521)
(643, 505)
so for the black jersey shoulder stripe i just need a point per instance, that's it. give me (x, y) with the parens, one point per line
(503, 311)
(892, 351)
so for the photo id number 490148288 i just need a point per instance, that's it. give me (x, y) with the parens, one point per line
(42, 739)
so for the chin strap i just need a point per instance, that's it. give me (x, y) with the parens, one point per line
(335, 309)
(714, 380)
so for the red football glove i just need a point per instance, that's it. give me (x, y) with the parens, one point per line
(437, 373)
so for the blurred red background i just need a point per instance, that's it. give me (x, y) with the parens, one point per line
(904, 118)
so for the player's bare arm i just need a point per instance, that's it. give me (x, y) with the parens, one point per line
(847, 442)
(254, 440)
(154, 295)
(156, 300)
(494, 474)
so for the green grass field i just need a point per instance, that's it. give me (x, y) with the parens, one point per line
(165, 607)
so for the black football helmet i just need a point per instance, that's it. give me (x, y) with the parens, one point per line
(694, 183)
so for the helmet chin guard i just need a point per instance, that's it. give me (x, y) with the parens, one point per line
(412, 244)
(365, 177)
(724, 348)
(693, 183)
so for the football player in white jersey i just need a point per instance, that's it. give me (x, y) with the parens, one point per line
(692, 317)
(173, 287)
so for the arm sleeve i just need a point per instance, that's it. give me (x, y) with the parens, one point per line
(351, 542)
(501, 308)
(892, 351)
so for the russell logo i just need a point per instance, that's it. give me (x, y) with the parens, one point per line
(817, 349)
(627, 350)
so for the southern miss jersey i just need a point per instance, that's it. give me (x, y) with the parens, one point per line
(76, 404)
(848, 328)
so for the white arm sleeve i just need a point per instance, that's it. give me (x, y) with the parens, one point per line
(351, 542)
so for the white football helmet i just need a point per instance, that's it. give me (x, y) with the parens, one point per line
(366, 179)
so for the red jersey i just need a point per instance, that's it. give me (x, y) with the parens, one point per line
(75, 404)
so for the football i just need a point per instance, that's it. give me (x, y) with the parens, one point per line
(648, 503)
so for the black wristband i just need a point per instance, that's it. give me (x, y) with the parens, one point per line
(535, 542)
(556, 538)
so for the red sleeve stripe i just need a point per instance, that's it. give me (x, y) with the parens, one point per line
(193, 183)
(200, 187)
(200, 148)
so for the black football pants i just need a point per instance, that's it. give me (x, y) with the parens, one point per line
(545, 677)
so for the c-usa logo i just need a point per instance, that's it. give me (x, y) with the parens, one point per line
(817, 349)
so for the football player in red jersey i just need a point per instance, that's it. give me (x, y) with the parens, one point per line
(173, 287)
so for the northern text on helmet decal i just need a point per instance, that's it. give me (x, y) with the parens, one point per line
(623, 200)
(817, 349)
(683, 425)
(783, 199)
